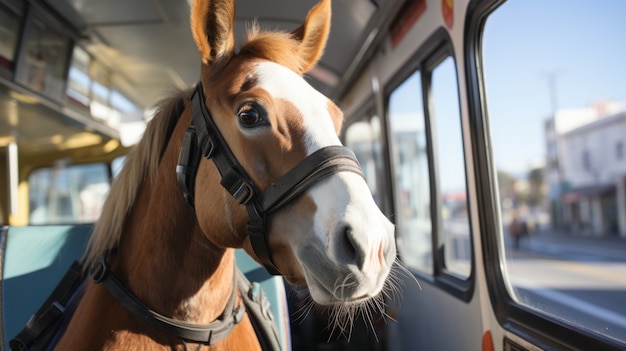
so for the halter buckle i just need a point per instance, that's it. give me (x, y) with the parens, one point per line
(99, 272)
(244, 193)
(237, 186)
(208, 146)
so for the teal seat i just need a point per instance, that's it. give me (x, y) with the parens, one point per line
(35, 258)
(274, 289)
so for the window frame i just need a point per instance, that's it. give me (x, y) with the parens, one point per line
(431, 64)
(108, 164)
(543, 330)
(427, 58)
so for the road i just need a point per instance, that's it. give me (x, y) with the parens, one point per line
(581, 280)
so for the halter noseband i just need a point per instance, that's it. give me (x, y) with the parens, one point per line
(203, 138)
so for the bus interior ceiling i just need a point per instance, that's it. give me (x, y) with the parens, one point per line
(149, 44)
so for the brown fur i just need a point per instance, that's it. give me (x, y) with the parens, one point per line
(176, 260)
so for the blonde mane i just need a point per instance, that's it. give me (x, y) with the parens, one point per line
(141, 162)
(275, 46)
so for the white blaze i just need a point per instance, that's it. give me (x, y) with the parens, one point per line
(345, 198)
(285, 84)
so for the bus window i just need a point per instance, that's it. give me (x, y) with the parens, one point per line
(117, 164)
(363, 137)
(67, 194)
(554, 79)
(445, 122)
(411, 175)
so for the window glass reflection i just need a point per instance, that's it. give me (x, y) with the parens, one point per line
(411, 172)
(68, 194)
(454, 234)
(363, 137)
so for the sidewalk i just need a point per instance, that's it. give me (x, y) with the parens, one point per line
(561, 244)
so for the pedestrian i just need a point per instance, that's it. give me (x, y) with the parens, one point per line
(515, 230)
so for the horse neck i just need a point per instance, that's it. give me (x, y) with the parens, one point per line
(164, 257)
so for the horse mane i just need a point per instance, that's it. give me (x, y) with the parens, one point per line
(275, 46)
(142, 162)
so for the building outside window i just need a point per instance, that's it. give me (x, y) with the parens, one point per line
(593, 189)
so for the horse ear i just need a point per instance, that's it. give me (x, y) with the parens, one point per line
(212, 26)
(313, 34)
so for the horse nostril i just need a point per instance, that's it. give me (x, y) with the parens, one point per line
(352, 248)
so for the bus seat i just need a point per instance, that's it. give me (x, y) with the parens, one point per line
(274, 288)
(35, 258)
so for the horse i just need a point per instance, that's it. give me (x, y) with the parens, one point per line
(248, 158)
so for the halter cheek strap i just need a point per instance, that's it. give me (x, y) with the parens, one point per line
(203, 138)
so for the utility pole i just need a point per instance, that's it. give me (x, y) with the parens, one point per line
(558, 205)
(551, 76)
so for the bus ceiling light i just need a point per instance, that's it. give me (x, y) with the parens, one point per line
(111, 145)
(6, 140)
(56, 139)
(79, 140)
(24, 98)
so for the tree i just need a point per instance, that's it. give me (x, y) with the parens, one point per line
(506, 185)
(536, 186)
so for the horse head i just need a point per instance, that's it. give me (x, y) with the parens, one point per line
(331, 237)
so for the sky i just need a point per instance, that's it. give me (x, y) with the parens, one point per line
(581, 43)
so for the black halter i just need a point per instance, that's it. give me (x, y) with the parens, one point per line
(205, 334)
(203, 138)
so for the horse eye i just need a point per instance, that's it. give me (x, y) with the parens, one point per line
(249, 116)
